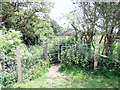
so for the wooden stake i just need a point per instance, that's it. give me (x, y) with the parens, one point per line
(45, 50)
(19, 69)
(96, 55)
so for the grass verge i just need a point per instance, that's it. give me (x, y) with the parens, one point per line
(80, 78)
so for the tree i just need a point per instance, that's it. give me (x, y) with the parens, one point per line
(57, 29)
(29, 18)
(92, 19)
(109, 16)
(83, 19)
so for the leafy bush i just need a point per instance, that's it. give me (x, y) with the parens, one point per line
(56, 44)
(33, 63)
(83, 57)
(8, 42)
(31, 58)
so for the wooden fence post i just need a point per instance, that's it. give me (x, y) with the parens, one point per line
(45, 50)
(19, 68)
(96, 55)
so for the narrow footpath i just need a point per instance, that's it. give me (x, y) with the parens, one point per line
(52, 79)
(55, 76)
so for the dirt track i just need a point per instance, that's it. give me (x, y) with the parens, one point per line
(54, 74)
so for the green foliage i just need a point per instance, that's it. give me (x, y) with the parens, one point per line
(31, 58)
(56, 44)
(37, 83)
(75, 78)
(57, 29)
(85, 79)
(68, 41)
(8, 44)
(83, 57)
(32, 19)
(33, 63)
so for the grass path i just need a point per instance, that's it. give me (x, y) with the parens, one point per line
(53, 75)
(52, 79)
(75, 78)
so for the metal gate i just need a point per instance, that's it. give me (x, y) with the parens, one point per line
(55, 47)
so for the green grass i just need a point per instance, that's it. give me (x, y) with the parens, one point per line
(31, 84)
(76, 78)
(80, 78)
(41, 82)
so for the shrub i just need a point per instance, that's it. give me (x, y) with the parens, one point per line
(31, 58)
(83, 57)
(33, 63)
(8, 42)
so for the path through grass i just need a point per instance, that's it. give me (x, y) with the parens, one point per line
(75, 78)
(52, 79)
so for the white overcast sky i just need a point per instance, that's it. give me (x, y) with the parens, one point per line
(61, 7)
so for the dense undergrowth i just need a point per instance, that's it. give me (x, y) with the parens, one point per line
(82, 55)
(32, 61)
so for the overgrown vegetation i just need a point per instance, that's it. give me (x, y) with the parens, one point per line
(31, 58)
(22, 26)
(90, 52)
